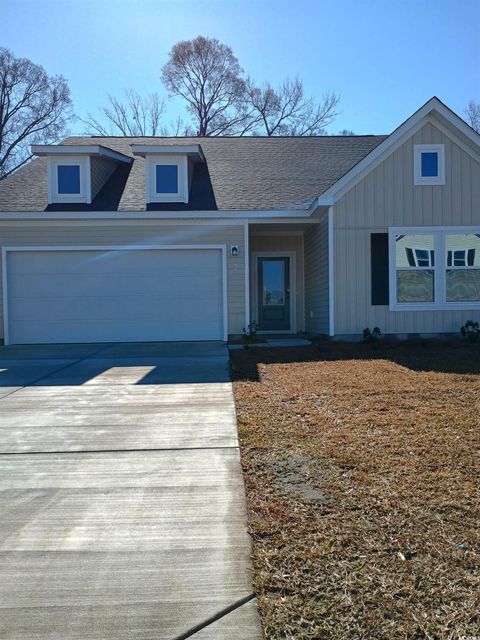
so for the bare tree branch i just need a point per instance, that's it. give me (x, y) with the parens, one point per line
(286, 111)
(176, 128)
(135, 116)
(472, 113)
(34, 107)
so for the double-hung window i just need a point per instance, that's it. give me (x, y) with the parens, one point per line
(434, 268)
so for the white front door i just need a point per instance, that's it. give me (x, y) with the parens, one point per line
(103, 295)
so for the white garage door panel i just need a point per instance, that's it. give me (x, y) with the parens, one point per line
(98, 296)
(116, 284)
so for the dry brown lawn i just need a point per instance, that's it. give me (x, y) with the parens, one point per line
(362, 472)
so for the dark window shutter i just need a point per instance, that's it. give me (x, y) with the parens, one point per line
(471, 257)
(379, 265)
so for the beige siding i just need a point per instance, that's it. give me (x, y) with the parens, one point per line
(387, 197)
(100, 171)
(138, 232)
(316, 278)
(276, 242)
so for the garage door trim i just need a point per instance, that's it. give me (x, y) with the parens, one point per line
(138, 247)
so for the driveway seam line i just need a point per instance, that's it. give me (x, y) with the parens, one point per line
(28, 453)
(216, 616)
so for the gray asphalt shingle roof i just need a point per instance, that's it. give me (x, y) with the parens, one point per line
(248, 173)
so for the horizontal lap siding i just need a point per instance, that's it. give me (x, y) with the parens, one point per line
(281, 243)
(93, 233)
(316, 278)
(100, 171)
(387, 197)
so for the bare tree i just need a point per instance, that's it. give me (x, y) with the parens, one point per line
(472, 113)
(208, 76)
(346, 132)
(34, 108)
(134, 116)
(287, 111)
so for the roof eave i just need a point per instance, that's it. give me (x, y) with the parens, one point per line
(193, 150)
(50, 150)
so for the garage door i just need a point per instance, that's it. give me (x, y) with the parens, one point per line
(102, 295)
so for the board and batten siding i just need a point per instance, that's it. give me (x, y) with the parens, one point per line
(316, 277)
(387, 197)
(139, 232)
(273, 243)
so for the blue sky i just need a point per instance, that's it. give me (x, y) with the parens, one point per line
(385, 57)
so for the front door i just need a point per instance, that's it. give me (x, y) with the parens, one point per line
(273, 294)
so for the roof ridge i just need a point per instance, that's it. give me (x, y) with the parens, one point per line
(327, 137)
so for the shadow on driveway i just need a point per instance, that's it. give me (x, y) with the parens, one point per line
(131, 363)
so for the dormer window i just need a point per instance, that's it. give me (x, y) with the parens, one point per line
(76, 173)
(166, 179)
(168, 170)
(68, 179)
(429, 164)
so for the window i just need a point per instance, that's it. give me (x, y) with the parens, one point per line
(463, 267)
(273, 278)
(68, 177)
(460, 257)
(434, 269)
(421, 257)
(166, 178)
(429, 164)
(414, 259)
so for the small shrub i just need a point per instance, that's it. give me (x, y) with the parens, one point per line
(470, 331)
(250, 332)
(371, 335)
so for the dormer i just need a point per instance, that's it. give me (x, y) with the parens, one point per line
(168, 170)
(76, 173)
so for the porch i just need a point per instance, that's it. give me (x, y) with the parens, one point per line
(289, 277)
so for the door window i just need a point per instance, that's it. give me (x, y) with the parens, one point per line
(273, 282)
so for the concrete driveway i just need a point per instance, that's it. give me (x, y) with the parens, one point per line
(122, 510)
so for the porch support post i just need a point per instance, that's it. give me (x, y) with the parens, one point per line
(331, 292)
(247, 274)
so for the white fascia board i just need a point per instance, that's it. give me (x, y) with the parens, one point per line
(193, 150)
(78, 149)
(260, 216)
(449, 134)
(395, 139)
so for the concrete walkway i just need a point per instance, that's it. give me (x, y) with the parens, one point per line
(122, 510)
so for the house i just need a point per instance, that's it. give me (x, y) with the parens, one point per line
(132, 239)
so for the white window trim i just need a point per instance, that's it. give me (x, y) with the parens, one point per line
(85, 195)
(440, 269)
(151, 163)
(418, 179)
